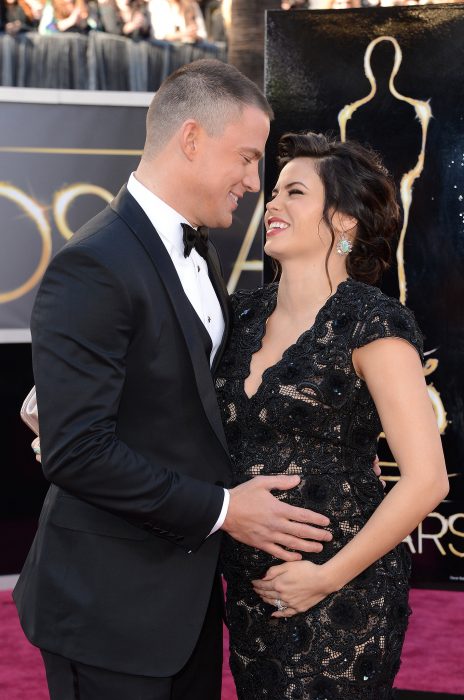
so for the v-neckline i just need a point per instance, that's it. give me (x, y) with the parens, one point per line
(270, 308)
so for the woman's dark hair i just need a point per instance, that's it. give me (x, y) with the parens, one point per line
(357, 184)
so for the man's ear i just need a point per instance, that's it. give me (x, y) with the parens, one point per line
(189, 137)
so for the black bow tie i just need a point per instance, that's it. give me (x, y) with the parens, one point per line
(197, 239)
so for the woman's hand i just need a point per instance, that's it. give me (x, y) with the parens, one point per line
(297, 584)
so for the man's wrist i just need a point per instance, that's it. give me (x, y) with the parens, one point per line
(223, 514)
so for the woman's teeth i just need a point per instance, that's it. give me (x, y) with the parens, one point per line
(277, 224)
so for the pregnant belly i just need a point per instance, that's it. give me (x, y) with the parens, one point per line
(347, 500)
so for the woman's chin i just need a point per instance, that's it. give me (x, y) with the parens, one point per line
(271, 248)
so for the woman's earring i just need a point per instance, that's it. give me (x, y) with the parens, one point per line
(344, 245)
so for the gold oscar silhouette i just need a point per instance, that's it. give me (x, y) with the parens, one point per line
(423, 114)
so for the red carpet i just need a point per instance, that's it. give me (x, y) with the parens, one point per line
(21, 673)
(433, 651)
(432, 657)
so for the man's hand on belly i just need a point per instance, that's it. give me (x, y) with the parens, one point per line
(258, 519)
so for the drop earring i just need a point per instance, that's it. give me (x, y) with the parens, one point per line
(344, 245)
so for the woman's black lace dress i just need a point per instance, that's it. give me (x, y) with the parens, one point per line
(314, 417)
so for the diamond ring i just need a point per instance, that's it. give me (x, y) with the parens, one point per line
(280, 605)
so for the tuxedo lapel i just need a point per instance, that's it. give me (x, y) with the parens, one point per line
(135, 218)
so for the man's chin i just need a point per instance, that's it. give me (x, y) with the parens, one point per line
(224, 221)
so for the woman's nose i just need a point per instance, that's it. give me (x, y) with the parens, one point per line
(273, 204)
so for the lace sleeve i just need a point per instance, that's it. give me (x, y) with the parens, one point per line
(238, 297)
(390, 319)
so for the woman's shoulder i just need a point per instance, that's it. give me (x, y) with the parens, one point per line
(366, 299)
(381, 316)
(246, 301)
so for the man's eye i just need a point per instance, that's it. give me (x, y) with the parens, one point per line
(246, 159)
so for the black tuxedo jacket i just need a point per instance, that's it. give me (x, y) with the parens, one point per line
(121, 570)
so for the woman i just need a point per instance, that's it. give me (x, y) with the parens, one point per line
(177, 20)
(134, 19)
(66, 16)
(22, 16)
(316, 366)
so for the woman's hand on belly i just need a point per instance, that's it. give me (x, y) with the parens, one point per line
(299, 585)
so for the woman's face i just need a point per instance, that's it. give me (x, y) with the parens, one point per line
(293, 219)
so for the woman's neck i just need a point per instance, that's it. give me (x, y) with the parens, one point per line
(303, 289)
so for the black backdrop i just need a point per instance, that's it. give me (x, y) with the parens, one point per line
(317, 64)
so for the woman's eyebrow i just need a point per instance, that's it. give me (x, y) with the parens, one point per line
(289, 184)
(297, 182)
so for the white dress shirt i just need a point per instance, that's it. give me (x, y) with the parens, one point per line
(192, 272)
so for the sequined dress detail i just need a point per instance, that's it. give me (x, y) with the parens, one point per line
(313, 416)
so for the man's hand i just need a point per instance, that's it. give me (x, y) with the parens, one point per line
(377, 470)
(258, 519)
(35, 444)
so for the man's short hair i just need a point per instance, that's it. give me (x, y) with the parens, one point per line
(209, 91)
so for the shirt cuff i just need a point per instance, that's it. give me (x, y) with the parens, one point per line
(222, 514)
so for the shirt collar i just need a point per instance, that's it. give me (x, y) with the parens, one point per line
(166, 220)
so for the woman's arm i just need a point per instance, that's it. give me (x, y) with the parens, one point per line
(393, 373)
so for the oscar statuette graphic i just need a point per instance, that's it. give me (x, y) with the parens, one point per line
(423, 114)
(394, 84)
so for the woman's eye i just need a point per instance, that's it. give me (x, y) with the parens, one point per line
(295, 192)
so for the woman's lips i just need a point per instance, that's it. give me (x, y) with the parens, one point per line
(275, 226)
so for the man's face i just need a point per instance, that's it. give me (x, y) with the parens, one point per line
(227, 166)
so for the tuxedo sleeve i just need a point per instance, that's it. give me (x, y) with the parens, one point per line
(81, 328)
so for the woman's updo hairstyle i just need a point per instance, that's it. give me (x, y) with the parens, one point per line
(357, 184)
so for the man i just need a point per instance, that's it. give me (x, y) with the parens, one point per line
(120, 589)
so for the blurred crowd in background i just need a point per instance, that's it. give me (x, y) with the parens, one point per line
(343, 4)
(166, 20)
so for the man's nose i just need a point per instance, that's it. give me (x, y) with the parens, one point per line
(251, 180)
